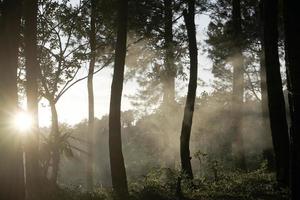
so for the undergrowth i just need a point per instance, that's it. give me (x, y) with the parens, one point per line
(161, 184)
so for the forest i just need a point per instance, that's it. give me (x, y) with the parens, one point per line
(149, 100)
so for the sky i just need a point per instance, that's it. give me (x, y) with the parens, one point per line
(73, 105)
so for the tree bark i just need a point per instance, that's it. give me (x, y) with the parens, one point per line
(189, 18)
(11, 155)
(91, 119)
(292, 43)
(55, 148)
(238, 84)
(268, 149)
(118, 172)
(276, 102)
(33, 170)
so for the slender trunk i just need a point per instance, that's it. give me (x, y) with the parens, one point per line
(89, 172)
(238, 84)
(276, 102)
(169, 74)
(33, 171)
(11, 155)
(118, 172)
(55, 143)
(189, 18)
(292, 43)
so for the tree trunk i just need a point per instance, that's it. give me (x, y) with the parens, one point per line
(238, 84)
(33, 170)
(118, 172)
(192, 88)
(268, 149)
(276, 102)
(11, 155)
(55, 143)
(90, 136)
(169, 74)
(292, 43)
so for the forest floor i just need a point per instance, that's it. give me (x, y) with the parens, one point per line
(162, 185)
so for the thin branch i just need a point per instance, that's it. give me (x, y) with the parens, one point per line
(44, 83)
(105, 65)
(78, 80)
(69, 81)
(79, 139)
(251, 86)
(78, 149)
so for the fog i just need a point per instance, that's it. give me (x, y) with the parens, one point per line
(152, 141)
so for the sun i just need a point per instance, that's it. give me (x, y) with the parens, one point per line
(22, 122)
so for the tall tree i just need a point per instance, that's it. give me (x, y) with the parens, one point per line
(189, 18)
(118, 171)
(168, 76)
(233, 35)
(276, 102)
(238, 82)
(268, 151)
(60, 54)
(33, 171)
(292, 43)
(91, 118)
(11, 168)
(156, 59)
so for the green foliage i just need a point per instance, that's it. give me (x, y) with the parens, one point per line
(77, 193)
(60, 50)
(152, 141)
(257, 184)
(50, 143)
(160, 184)
(221, 42)
(147, 60)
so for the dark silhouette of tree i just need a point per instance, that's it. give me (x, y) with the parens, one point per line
(189, 18)
(33, 170)
(62, 51)
(118, 171)
(233, 36)
(276, 102)
(156, 60)
(60, 56)
(292, 43)
(222, 42)
(268, 149)
(91, 116)
(11, 167)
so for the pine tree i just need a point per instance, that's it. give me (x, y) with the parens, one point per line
(118, 171)
(276, 102)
